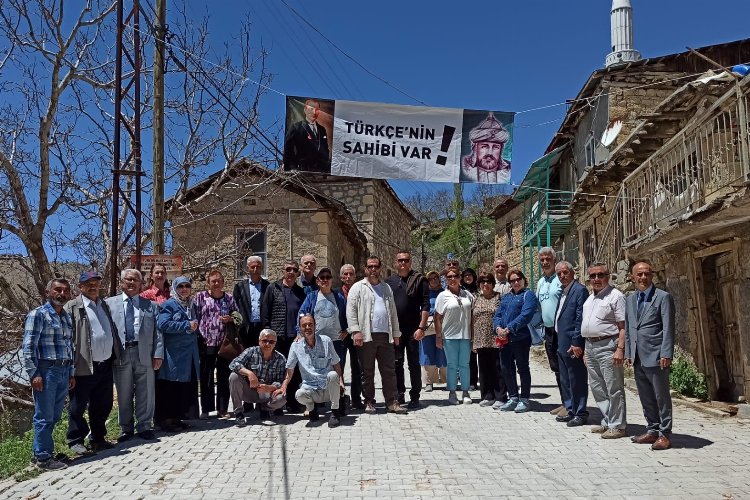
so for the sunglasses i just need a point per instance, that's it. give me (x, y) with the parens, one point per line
(268, 341)
(485, 282)
(403, 261)
(325, 278)
(291, 269)
(184, 285)
(451, 264)
(598, 276)
(372, 266)
(515, 280)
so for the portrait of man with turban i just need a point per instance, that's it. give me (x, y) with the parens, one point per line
(485, 162)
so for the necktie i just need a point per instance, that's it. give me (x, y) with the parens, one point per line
(641, 302)
(130, 321)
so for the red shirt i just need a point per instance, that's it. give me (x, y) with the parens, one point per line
(156, 295)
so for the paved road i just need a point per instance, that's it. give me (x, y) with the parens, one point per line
(438, 451)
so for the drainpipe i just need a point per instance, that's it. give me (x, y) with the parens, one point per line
(291, 236)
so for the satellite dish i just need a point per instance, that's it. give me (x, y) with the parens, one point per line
(609, 135)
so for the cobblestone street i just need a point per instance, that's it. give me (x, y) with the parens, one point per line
(438, 451)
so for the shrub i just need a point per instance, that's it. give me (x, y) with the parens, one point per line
(685, 377)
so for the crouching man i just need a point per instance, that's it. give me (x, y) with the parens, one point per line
(256, 377)
(322, 380)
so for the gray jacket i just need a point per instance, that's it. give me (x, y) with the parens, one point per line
(650, 337)
(150, 343)
(82, 351)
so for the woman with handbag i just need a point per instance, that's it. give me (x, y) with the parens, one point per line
(453, 328)
(215, 312)
(511, 323)
(176, 380)
(431, 357)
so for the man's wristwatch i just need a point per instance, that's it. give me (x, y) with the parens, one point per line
(421, 328)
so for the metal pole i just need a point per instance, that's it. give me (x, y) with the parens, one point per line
(137, 131)
(158, 156)
(114, 250)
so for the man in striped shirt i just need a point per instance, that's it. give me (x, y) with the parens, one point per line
(48, 359)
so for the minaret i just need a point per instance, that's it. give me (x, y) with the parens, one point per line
(621, 20)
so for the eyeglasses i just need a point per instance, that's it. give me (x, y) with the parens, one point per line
(184, 285)
(515, 280)
(291, 269)
(485, 282)
(451, 264)
(373, 266)
(325, 278)
(268, 341)
(403, 261)
(598, 276)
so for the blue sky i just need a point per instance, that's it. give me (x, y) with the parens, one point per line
(502, 55)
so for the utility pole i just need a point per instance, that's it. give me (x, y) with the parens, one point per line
(158, 165)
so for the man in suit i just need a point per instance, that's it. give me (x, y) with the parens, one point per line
(649, 347)
(248, 294)
(573, 374)
(135, 320)
(306, 144)
(96, 349)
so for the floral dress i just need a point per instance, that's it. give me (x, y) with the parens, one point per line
(483, 312)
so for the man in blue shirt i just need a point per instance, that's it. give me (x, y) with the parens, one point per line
(548, 292)
(318, 362)
(48, 359)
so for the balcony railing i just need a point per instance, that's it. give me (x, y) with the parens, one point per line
(697, 166)
(542, 210)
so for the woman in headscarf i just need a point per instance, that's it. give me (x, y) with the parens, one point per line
(158, 286)
(431, 357)
(176, 380)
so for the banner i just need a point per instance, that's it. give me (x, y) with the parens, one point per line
(388, 141)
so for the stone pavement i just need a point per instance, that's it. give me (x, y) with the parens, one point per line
(438, 451)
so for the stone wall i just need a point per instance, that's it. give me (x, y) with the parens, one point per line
(210, 241)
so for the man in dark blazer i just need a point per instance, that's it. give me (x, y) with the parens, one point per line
(306, 143)
(248, 294)
(649, 347)
(570, 344)
(135, 320)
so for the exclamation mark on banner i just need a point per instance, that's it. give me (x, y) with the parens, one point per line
(448, 132)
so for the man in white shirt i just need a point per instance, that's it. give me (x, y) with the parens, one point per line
(603, 327)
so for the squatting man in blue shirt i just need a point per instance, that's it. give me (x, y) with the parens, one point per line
(322, 380)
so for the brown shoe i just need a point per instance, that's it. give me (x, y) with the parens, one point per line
(396, 408)
(370, 407)
(647, 438)
(613, 434)
(560, 410)
(598, 429)
(661, 444)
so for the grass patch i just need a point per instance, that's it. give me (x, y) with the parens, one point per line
(15, 451)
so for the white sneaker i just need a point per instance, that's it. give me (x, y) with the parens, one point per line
(466, 398)
(498, 404)
(487, 402)
(452, 399)
(428, 388)
(79, 449)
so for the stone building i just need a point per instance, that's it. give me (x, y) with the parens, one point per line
(256, 211)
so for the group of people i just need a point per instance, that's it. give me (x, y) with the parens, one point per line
(284, 345)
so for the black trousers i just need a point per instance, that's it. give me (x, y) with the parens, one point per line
(408, 348)
(550, 347)
(491, 382)
(473, 369)
(356, 382)
(176, 400)
(210, 363)
(95, 393)
(283, 344)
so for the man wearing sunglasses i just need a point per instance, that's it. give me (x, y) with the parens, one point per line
(649, 348)
(412, 298)
(279, 312)
(257, 375)
(373, 324)
(603, 327)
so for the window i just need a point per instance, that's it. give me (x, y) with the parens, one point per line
(509, 235)
(590, 150)
(249, 241)
(588, 239)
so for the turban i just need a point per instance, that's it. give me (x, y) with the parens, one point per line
(489, 130)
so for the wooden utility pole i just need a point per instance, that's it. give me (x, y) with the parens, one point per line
(158, 166)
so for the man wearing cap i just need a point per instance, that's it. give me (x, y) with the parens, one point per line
(94, 336)
(451, 264)
(485, 163)
(47, 352)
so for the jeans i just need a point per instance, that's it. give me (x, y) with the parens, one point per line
(48, 407)
(515, 357)
(457, 352)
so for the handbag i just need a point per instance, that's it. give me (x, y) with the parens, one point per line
(231, 347)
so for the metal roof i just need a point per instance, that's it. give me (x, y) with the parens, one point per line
(537, 175)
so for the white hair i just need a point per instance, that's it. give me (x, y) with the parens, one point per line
(254, 258)
(565, 263)
(130, 270)
(547, 251)
(346, 266)
(267, 332)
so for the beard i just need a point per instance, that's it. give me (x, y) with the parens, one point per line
(488, 162)
(58, 301)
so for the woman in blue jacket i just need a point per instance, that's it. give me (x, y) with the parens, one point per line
(511, 323)
(176, 381)
(328, 307)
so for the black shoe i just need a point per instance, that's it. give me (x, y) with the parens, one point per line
(50, 464)
(124, 437)
(413, 404)
(247, 408)
(265, 414)
(279, 412)
(334, 420)
(577, 422)
(564, 418)
(147, 435)
(100, 445)
(357, 404)
(314, 416)
(239, 420)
